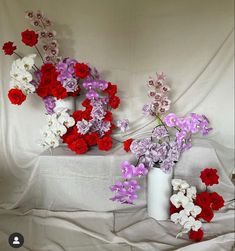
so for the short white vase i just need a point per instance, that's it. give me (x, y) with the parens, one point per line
(68, 103)
(159, 192)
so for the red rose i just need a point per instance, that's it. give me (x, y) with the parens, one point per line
(114, 101)
(217, 201)
(81, 70)
(203, 199)
(196, 235)
(127, 144)
(91, 138)
(16, 96)
(29, 38)
(77, 115)
(111, 90)
(8, 48)
(79, 146)
(173, 209)
(105, 143)
(206, 214)
(108, 116)
(59, 92)
(209, 176)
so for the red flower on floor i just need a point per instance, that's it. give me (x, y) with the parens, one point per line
(105, 143)
(16, 96)
(217, 201)
(29, 37)
(196, 235)
(8, 48)
(79, 146)
(127, 144)
(206, 214)
(209, 176)
(114, 101)
(203, 199)
(81, 70)
(111, 90)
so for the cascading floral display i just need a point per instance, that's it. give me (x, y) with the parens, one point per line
(163, 148)
(57, 79)
(188, 208)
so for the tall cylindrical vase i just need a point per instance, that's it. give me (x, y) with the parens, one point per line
(159, 192)
(68, 103)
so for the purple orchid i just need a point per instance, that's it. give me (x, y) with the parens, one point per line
(127, 170)
(140, 170)
(171, 120)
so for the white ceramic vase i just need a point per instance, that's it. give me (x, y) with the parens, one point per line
(159, 192)
(68, 103)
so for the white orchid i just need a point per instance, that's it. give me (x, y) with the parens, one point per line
(191, 209)
(180, 217)
(179, 200)
(192, 224)
(191, 193)
(179, 185)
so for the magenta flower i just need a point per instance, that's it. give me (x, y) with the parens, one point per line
(171, 120)
(140, 170)
(127, 170)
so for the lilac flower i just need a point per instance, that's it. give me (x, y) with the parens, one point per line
(174, 151)
(98, 113)
(140, 170)
(127, 170)
(146, 109)
(100, 126)
(123, 124)
(160, 132)
(171, 120)
(167, 165)
(50, 104)
(183, 139)
(83, 126)
(159, 151)
(70, 85)
(141, 147)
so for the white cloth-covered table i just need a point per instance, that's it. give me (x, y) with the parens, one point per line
(61, 202)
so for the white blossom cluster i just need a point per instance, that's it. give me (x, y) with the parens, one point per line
(57, 126)
(184, 198)
(21, 78)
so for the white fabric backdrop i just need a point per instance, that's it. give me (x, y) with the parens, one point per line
(128, 41)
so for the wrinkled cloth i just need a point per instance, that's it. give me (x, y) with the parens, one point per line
(60, 201)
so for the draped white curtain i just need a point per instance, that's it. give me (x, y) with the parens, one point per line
(192, 41)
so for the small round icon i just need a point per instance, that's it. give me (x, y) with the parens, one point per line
(16, 240)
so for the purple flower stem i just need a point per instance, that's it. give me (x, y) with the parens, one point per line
(39, 53)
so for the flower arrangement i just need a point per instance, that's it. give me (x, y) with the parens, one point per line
(188, 208)
(57, 79)
(163, 148)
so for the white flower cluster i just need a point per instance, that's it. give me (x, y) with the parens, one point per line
(184, 198)
(57, 126)
(20, 74)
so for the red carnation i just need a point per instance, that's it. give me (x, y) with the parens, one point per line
(111, 129)
(81, 70)
(111, 90)
(77, 115)
(79, 146)
(86, 114)
(16, 96)
(203, 199)
(206, 214)
(209, 176)
(59, 92)
(108, 116)
(91, 138)
(114, 102)
(8, 48)
(105, 143)
(127, 144)
(173, 209)
(217, 201)
(71, 135)
(29, 37)
(196, 235)
(86, 103)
